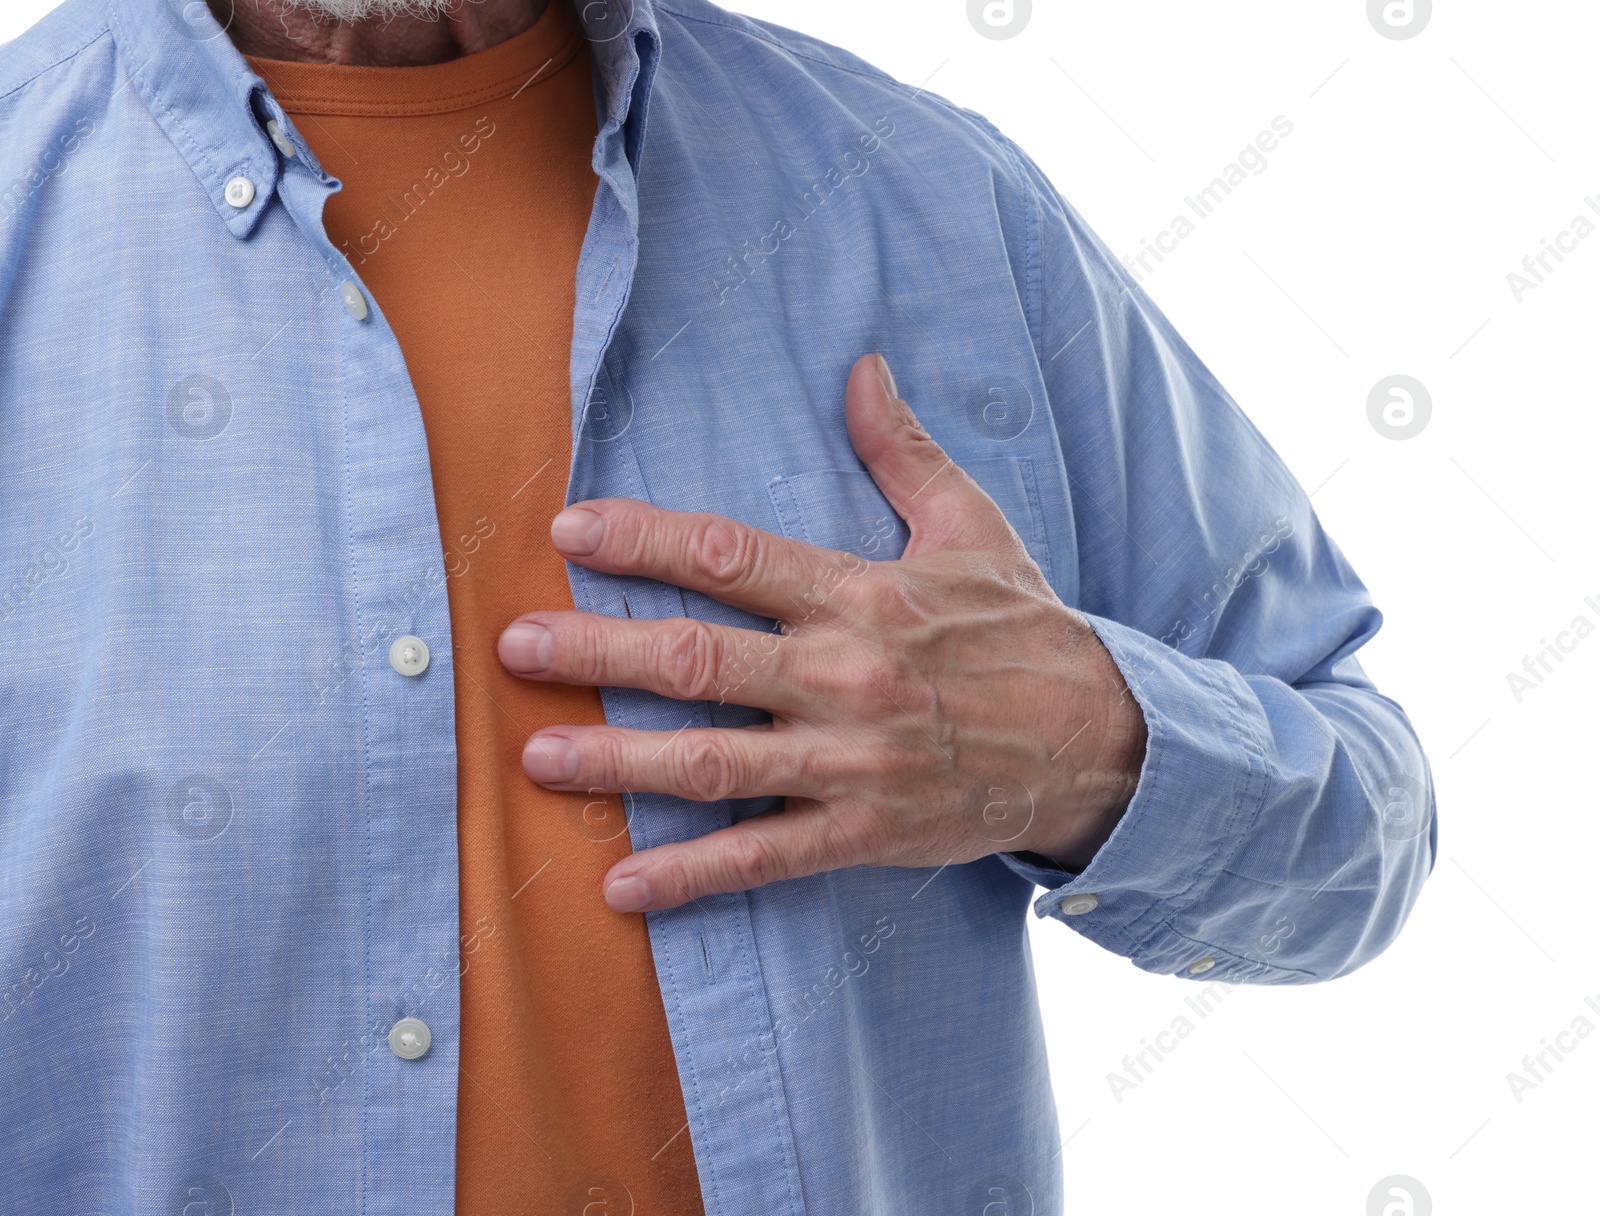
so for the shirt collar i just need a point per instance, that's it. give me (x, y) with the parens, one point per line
(213, 108)
(626, 45)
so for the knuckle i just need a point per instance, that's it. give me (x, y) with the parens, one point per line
(721, 551)
(908, 759)
(872, 680)
(753, 859)
(892, 604)
(707, 768)
(688, 660)
(908, 432)
(886, 682)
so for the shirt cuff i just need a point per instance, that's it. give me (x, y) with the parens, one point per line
(1201, 789)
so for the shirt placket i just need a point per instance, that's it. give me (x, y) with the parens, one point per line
(402, 811)
(715, 998)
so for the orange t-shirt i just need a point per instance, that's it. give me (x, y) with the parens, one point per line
(467, 191)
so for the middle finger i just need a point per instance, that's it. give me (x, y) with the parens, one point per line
(704, 764)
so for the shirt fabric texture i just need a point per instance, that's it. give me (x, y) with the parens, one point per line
(466, 190)
(228, 826)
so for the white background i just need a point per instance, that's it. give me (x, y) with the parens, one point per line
(1418, 176)
(1378, 241)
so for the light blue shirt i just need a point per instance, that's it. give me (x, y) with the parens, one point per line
(227, 822)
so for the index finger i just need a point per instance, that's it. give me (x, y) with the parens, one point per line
(729, 561)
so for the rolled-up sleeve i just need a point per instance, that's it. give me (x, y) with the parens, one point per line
(1283, 822)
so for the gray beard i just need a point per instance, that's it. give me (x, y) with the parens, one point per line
(373, 10)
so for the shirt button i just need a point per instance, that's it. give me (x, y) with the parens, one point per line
(410, 1038)
(1077, 905)
(239, 192)
(279, 140)
(354, 302)
(409, 656)
(1201, 965)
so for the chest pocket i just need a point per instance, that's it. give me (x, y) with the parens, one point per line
(844, 509)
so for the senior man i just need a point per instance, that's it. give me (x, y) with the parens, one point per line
(338, 775)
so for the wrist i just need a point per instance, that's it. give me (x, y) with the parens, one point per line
(1073, 831)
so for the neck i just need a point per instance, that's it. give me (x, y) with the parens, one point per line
(308, 31)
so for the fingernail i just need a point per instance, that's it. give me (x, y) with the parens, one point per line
(527, 646)
(630, 893)
(887, 377)
(577, 531)
(550, 758)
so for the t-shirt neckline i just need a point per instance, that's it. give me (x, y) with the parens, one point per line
(524, 60)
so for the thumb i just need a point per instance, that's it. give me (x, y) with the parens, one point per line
(941, 504)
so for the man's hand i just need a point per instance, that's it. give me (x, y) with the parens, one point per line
(929, 710)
